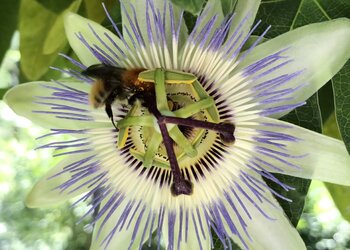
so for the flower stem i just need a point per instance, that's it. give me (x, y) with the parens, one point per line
(219, 127)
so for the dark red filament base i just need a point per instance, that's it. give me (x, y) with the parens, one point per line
(226, 131)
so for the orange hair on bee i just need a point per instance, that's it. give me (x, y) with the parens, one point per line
(130, 78)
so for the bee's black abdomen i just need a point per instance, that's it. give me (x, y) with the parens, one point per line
(103, 71)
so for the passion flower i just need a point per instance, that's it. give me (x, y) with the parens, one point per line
(188, 159)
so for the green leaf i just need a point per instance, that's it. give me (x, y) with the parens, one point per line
(251, 40)
(340, 195)
(290, 14)
(34, 31)
(54, 41)
(307, 116)
(218, 244)
(193, 6)
(8, 24)
(115, 13)
(228, 6)
(330, 127)
(325, 95)
(295, 208)
(341, 88)
(2, 92)
(61, 63)
(190, 20)
(95, 11)
(54, 5)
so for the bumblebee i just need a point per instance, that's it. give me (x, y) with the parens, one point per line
(113, 83)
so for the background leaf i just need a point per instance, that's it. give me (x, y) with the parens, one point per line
(36, 23)
(56, 38)
(2, 92)
(286, 15)
(340, 194)
(228, 6)
(193, 6)
(341, 87)
(95, 11)
(8, 24)
(54, 5)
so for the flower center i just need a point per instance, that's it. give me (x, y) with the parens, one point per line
(158, 120)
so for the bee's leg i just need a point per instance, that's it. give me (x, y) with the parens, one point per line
(109, 110)
(143, 96)
(136, 96)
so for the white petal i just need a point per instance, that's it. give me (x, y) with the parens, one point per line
(125, 235)
(320, 49)
(45, 192)
(244, 9)
(273, 234)
(195, 239)
(94, 34)
(136, 8)
(23, 100)
(248, 208)
(326, 159)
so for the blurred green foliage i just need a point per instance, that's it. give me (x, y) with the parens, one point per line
(321, 225)
(21, 166)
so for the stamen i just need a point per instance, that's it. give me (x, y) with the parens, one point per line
(226, 130)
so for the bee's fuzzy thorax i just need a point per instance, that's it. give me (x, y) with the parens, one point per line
(130, 78)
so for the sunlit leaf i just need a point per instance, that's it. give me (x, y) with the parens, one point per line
(193, 6)
(331, 128)
(36, 22)
(8, 24)
(340, 196)
(54, 39)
